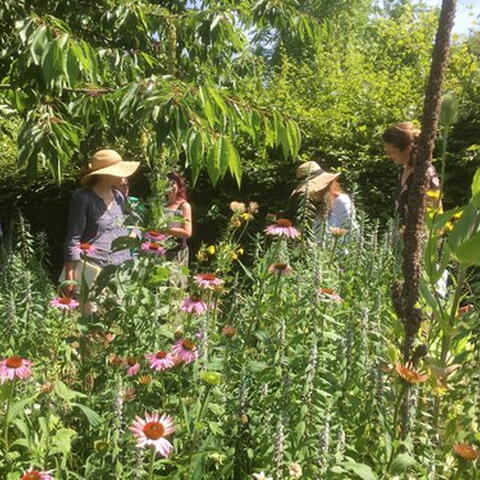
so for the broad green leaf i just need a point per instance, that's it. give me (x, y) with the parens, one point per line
(401, 463)
(39, 42)
(62, 440)
(94, 419)
(361, 470)
(468, 252)
(476, 185)
(464, 227)
(213, 161)
(53, 62)
(18, 407)
(196, 152)
(66, 393)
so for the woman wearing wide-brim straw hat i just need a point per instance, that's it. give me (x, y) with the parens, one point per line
(334, 209)
(96, 217)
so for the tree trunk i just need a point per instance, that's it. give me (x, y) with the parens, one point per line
(414, 227)
(406, 296)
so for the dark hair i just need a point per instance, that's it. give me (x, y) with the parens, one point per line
(401, 135)
(181, 185)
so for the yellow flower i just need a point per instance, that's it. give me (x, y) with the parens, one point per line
(240, 251)
(246, 216)
(234, 256)
(457, 215)
(435, 194)
(235, 222)
(448, 227)
(211, 249)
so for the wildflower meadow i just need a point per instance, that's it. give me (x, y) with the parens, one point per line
(283, 362)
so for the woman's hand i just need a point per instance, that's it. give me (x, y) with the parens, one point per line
(69, 277)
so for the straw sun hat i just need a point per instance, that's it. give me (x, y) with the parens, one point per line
(313, 178)
(109, 162)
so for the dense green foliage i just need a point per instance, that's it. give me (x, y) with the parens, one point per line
(341, 77)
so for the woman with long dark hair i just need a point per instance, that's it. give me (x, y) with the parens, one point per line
(400, 142)
(180, 209)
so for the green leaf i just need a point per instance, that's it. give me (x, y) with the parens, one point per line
(476, 183)
(94, 419)
(39, 43)
(401, 463)
(361, 470)
(54, 61)
(62, 440)
(18, 407)
(65, 393)
(300, 429)
(464, 227)
(468, 252)
(196, 153)
(213, 161)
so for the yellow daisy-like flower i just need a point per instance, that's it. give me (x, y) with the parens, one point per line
(246, 216)
(435, 194)
(211, 249)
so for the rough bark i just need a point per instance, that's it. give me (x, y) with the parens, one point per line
(416, 201)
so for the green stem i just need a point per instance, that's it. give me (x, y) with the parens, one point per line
(152, 464)
(7, 414)
(462, 274)
(332, 256)
(398, 404)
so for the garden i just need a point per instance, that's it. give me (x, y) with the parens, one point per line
(279, 352)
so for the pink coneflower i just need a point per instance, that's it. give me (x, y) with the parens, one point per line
(14, 367)
(153, 247)
(280, 268)
(85, 248)
(208, 280)
(152, 430)
(64, 303)
(154, 236)
(36, 475)
(133, 369)
(160, 360)
(329, 293)
(193, 304)
(282, 228)
(185, 350)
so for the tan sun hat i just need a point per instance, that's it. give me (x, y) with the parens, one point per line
(109, 162)
(313, 177)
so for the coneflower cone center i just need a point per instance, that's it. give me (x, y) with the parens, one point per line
(34, 475)
(188, 345)
(209, 276)
(154, 246)
(65, 300)
(14, 362)
(85, 247)
(161, 355)
(283, 222)
(154, 430)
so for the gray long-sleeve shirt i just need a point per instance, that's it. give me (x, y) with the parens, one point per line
(90, 221)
